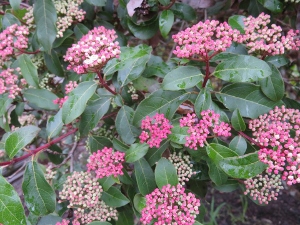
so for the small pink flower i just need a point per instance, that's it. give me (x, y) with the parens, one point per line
(9, 82)
(63, 222)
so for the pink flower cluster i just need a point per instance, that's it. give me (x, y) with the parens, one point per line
(263, 188)
(93, 51)
(278, 133)
(203, 38)
(260, 38)
(106, 162)
(9, 82)
(155, 129)
(68, 88)
(199, 130)
(170, 205)
(12, 38)
(63, 222)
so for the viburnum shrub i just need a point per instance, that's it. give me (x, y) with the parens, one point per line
(127, 112)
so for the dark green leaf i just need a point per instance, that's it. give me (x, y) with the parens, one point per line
(19, 139)
(164, 2)
(53, 63)
(97, 143)
(160, 101)
(184, 11)
(237, 121)
(4, 103)
(178, 134)
(157, 67)
(198, 187)
(275, 6)
(119, 145)
(15, 4)
(124, 126)
(135, 152)
(242, 68)
(166, 20)
(165, 173)
(238, 144)
(183, 77)
(277, 60)
(291, 103)
(154, 154)
(273, 86)
(76, 103)
(229, 186)
(125, 178)
(143, 31)
(246, 97)
(216, 174)
(28, 69)
(11, 208)
(54, 125)
(107, 182)
(237, 22)
(57, 156)
(49, 219)
(97, 2)
(8, 20)
(99, 223)
(80, 30)
(144, 176)
(39, 196)
(59, 41)
(125, 216)
(218, 152)
(243, 167)
(45, 17)
(41, 98)
(139, 202)
(113, 197)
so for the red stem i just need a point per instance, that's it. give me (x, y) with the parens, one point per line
(104, 84)
(250, 139)
(167, 6)
(43, 147)
(206, 72)
(29, 53)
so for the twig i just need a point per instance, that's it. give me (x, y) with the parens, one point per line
(104, 84)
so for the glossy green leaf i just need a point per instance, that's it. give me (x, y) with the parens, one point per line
(59, 41)
(237, 121)
(130, 64)
(216, 174)
(54, 125)
(198, 187)
(49, 219)
(11, 208)
(53, 63)
(164, 2)
(119, 145)
(96, 108)
(178, 134)
(15, 4)
(242, 68)
(80, 30)
(124, 126)
(135, 152)
(9, 19)
(157, 67)
(166, 20)
(107, 182)
(41, 98)
(229, 186)
(160, 101)
(183, 77)
(218, 152)
(45, 17)
(76, 103)
(29, 70)
(97, 143)
(125, 216)
(113, 197)
(144, 176)
(277, 60)
(184, 11)
(237, 22)
(97, 2)
(246, 97)
(275, 6)
(154, 154)
(243, 167)
(19, 139)
(238, 144)
(165, 173)
(139, 202)
(125, 178)
(5, 102)
(144, 31)
(273, 86)
(39, 196)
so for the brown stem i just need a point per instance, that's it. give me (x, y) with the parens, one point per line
(206, 71)
(104, 84)
(167, 6)
(29, 53)
(43, 147)
(250, 139)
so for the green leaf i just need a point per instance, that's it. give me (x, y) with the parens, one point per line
(49, 219)
(164, 2)
(97, 143)
(8, 20)
(19, 139)
(183, 77)
(166, 20)
(76, 103)
(218, 152)
(28, 69)
(184, 11)
(165, 173)
(53, 64)
(124, 126)
(273, 86)
(229, 186)
(160, 101)
(41, 98)
(216, 174)
(80, 30)
(178, 134)
(99, 223)
(237, 121)
(144, 176)
(130, 64)
(125, 216)
(113, 197)
(154, 154)
(246, 97)
(139, 202)
(243, 167)
(11, 208)
(157, 67)
(119, 145)
(4, 103)
(107, 182)
(135, 152)
(238, 144)
(54, 125)
(58, 41)
(198, 187)
(237, 22)
(144, 31)
(277, 60)
(275, 6)
(96, 108)
(97, 2)
(242, 68)
(45, 17)
(39, 196)
(15, 4)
